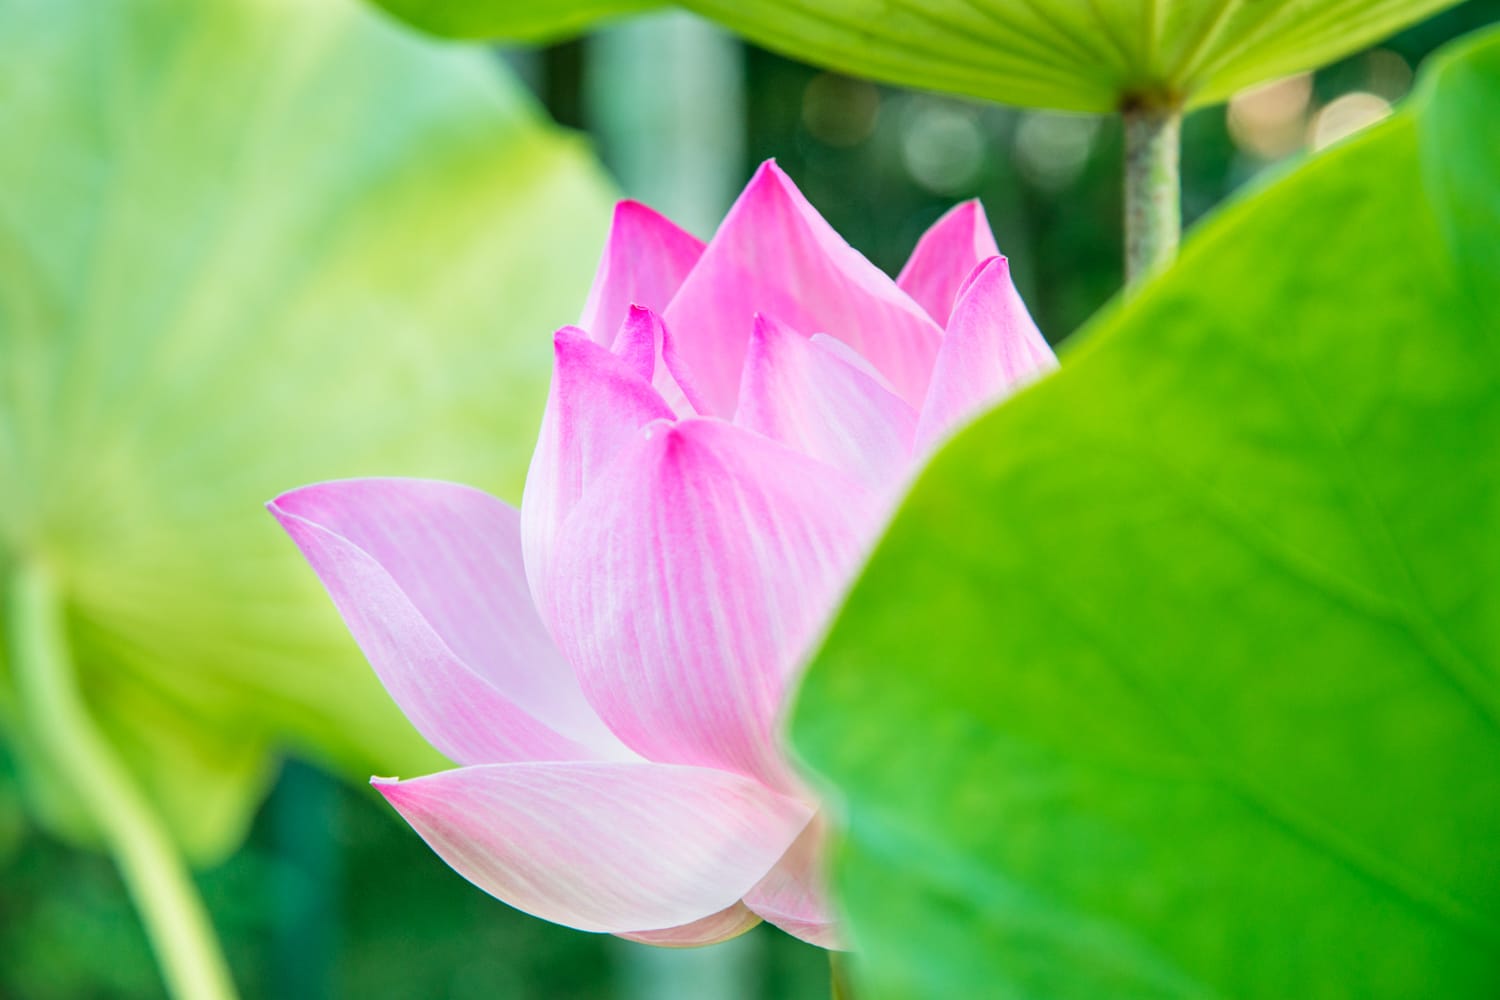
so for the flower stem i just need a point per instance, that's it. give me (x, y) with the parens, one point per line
(1153, 198)
(154, 873)
(840, 985)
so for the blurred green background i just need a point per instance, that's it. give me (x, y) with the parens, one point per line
(331, 895)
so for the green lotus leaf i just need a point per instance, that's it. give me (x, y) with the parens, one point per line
(1083, 55)
(245, 245)
(1178, 675)
(513, 20)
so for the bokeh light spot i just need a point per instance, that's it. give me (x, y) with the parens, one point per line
(1052, 148)
(942, 145)
(1270, 121)
(1346, 115)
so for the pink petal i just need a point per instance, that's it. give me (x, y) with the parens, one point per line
(428, 577)
(616, 847)
(991, 348)
(774, 254)
(813, 400)
(644, 344)
(681, 373)
(727, 923)
(838, 348)
(644, 262)
(689, 583)
(794, 894)
(945, 256)
(596, 404)
(638, 342)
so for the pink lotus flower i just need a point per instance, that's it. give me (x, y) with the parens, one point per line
(727, 428)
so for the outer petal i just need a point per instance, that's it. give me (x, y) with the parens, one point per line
(689, 582)
(428, 577)
(644, 262)
(945, 256)
(794, 894)
(596, 404)
(774, 254)
(810, 398)
(622, 848)
(991, 348)
(727, 923)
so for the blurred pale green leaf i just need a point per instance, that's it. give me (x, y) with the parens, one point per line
(1176, 675)
(245, 245)
(1082, 55)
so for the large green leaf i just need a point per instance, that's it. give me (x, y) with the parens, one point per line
(1176, 675)
(513, 20)
(1085, 55)
(245, 245)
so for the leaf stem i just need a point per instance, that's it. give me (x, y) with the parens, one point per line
(1153, 197)
(840, 984)
(175, 919)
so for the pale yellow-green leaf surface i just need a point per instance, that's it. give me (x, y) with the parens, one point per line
(246, 245)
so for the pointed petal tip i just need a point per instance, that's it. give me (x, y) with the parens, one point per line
(289, 521)
(292, 503)
(769, 176)
(634, 221)
(310, 502)
(284, 504)
(991, 347)
(573, 350)
(996, 268)
(969, 211)
(569, 335)
(637, 341)
(645, 258)
(628, 210)
(945, 256)
(765, 332)
(763, 325)
(768, 337)
(390, 789)
(284, 508)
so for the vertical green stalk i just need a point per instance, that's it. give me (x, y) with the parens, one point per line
(164, 895)
(1153, 196)
(840, 985)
